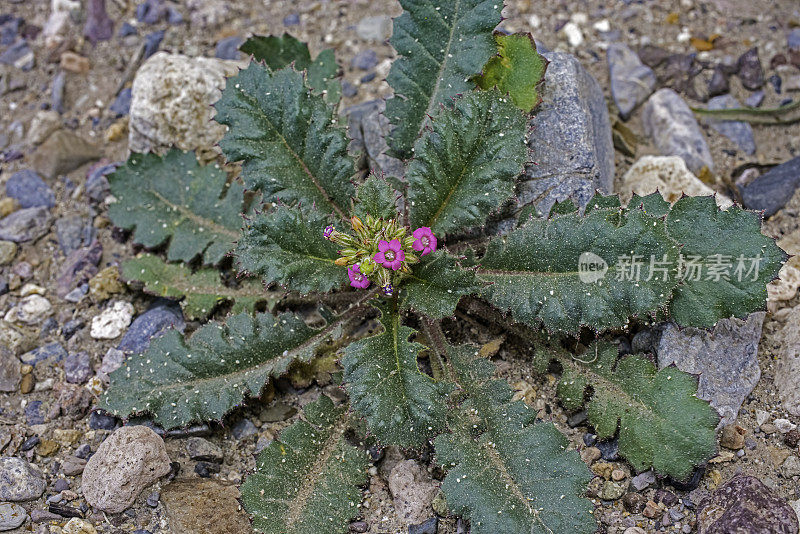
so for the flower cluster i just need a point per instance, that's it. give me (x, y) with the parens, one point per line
(379, 250)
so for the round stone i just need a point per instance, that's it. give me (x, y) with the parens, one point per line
(11, 516)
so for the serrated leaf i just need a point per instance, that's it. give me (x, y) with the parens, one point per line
(285, 245)
(466, 163)
(287, 138)
(176, 199)
(662, 424)
(517, 70)
(442, 45)
(402, 405)
(436, 284)
(308, 481)
(534, 270)
(201, 290)
(727, 244)
(505, 472)
(652, 204)
(279, 52)
(180, 381)
(376, 197)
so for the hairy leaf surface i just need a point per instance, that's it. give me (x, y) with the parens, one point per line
(176, 199)
(287, 138)
(308, 481)
(285, 245)
(726, 265)
(180, 381)
(201, 290)
(279, 52)
(402, 405)
(534, 270)
(517, 70)
(436, 285)
(505, 472)
(466, 163)
(376, 197)
(662, 424)
(442, 45)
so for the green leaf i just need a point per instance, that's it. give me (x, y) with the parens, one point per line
(376, 197)
(436, 284)
(466, 163)
(285, 245)
(201, 290)
(308, 481)
(291, 147)
(442, 45)
(652, 204)
(662, 424)
(534, 271)
(176, 199)
(517, 70)
(505, 472)
(279, 52)
(727, 244)
(402, 405)
(182, 381)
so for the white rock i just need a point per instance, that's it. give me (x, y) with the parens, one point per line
(78, 526)
(112, 321)
(376, 28)
(668, 175)
(784, 425)
(761, 417)
(534, 21)
(42, 125)
(602, 25)
(573, 34)
(30, 310)
(412, 490)
(787, 373)
(128, 461)
(785, 286)
(171, 102)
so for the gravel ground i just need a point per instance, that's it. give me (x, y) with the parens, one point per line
(87, 96)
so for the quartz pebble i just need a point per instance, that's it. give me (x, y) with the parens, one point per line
(112, 321)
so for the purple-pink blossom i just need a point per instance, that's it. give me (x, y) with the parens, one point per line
(357, 278)
(388, 290)
(328, 231)
(390, 254)
(425, 240)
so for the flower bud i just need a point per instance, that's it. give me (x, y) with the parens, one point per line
(358, 226)
(342, 262)
(367, 267)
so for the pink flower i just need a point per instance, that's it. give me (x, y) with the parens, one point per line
(425, 240)
(390, 255)
(357, 278)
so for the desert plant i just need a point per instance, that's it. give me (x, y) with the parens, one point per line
(462, 96)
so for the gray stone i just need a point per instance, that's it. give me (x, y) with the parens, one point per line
(279, 412)
(244, 428)
(63, 152)
(8, 250)
(30, 190)
(739, 132)
(21, 56)
(52, 352)
(787, 373)
(744, 505)
(572, 146)
(376, 28)
(9, 370)
(674, 130)
(152, 323)
(643, 480)
(431, 526)
(631, 80)
(11, 516)
(203, 450)
(73, 233)
(413, 491)
(773, 189)
(78, 267)
(364, 60)
(25, 225)
(368, 128)
(793, 39)
(128, 461)
(750, 71)
(77, 367)
(755, 99)
(726, 360)
(20, 480)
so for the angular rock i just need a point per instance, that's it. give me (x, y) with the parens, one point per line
(96, 182)
(719, 82)
(152, 323)
(112, 361)
(31, 310)
(413, 491)
(631, 80)
(375, 28)
(11, 516)
(63, 152)
(8, 251)
(228, 48)
(43, 124)
(674, 130)
(77, 367)
(19, 55)
(188, 502)
(669, 176)
(572, 149)
(78, 268)
(773, 189)
(726, 360)
(787, 373)
(128, 461)
(20, 480)
(750, 70)
(99, 26)
(151, 43)
(203, 450)
(30, 190)
(25, 225)
(51, 353)
(73, 233)
(739, 132)
(9, 370)
(112, 321)
(744, 505)
(171, 102)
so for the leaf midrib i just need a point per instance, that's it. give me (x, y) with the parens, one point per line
(180, 208)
